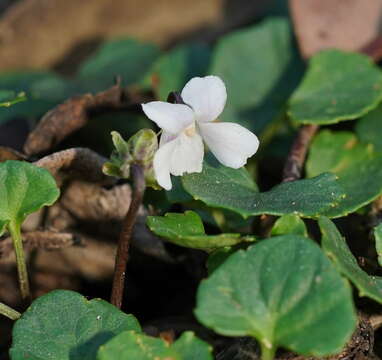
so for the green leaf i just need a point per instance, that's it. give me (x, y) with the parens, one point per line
(38, 101)
(127, 58)
(284, 292)
(24, 189)
(187, 230)
(173, 69)
(358, 167)
(218, 257)
(63, 325)
(219, 186)
(336, 248)
(289, 224)
(378, 242)
(337, 86)
(8, 98)
(368, 128)
(130, 345)
(260, 67)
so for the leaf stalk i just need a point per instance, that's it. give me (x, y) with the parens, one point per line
(9, 312)
(139, 186)
(15, 232)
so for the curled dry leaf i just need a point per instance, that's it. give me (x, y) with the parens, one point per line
(70, 116)
(91, 202)
(7, 153)
(47, 240)
(77, 163)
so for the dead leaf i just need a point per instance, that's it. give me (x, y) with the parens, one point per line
(344, 24)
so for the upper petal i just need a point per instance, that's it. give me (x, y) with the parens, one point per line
(169, 117)
(232, 144)
(206, 96)
(188, 155)
(162, 164)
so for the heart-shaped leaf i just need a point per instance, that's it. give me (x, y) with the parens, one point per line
(336, 248)
(130, 345)
(337, 86)
(63, 325)
(284, 292)
(358, 167)
(260, 67)
(289, 224)
(24, 189)
(187, 230)
(219, 186)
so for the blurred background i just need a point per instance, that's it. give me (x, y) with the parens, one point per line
(53, 50)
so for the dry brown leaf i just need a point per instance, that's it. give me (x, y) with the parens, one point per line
(344, 24)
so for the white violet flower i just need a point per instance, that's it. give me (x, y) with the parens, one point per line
(185, 127)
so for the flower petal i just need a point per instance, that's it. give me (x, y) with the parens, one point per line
(169, 117)
(162, 164)
(188, 155)
(206, 96)
(166, 137)
(232, 144)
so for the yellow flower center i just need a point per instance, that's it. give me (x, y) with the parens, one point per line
(190, 131)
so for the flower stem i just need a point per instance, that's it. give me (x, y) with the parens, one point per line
(267, 353)
(297, 154)
(9, 312)
(15, 232)
(139, 185)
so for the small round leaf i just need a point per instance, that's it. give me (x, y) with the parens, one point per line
(64, 325)
(284, 292)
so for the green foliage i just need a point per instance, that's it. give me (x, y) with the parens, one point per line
(63, 325)
(336, 248)
(127, 58)
(218, 257)
(378, 242)
(337, 86)
(173, 69)
(219, 186)
(289, 224)
(368, 128)
(260, 68)
(8, 98)
(37, 99)
(187, 230)
(132, 345)
(24, 189)
(282, 291)
(358, 167)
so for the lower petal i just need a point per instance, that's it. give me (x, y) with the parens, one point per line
(162, 164)
(188, 155)
(232, 144)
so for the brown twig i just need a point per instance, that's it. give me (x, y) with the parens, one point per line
(297, 154)
(48, 240)
(139, 186)
(80, 162)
